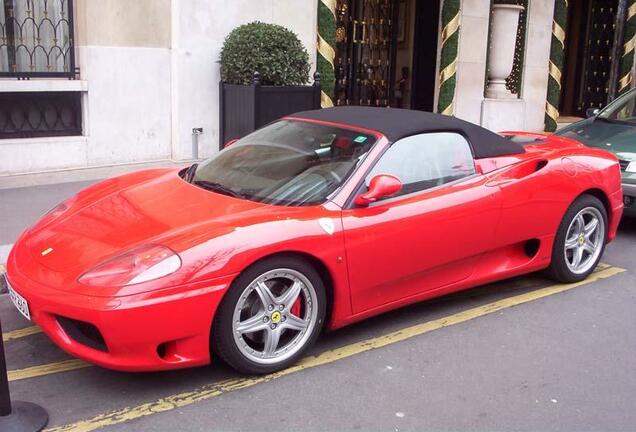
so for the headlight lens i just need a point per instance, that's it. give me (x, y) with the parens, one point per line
(631, 168)
(138, 265)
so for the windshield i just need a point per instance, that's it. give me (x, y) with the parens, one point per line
(289, 162)
(622, 109)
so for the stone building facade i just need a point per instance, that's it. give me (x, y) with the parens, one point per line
(94, 83)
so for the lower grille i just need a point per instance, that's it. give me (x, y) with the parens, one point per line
(83, 332)
(623, 164)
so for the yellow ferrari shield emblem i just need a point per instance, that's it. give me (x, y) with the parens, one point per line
(276, 317)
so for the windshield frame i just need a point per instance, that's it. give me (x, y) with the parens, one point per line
(378, 137)
(611, 108)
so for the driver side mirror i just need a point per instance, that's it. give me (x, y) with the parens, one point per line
(591, 112)
(381, 186)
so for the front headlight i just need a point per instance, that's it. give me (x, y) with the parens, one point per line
(142, 264)
(631, 168)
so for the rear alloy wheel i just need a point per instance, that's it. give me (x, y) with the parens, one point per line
(580, 240)
(272, 313)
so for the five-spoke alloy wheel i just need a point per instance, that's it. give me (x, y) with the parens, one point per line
(580, 240)
(272, 313)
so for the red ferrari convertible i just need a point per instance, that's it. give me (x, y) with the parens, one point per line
(320, 219)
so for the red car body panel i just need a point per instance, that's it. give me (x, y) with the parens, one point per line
(437, 241)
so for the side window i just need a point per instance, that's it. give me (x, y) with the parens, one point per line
(426, 160)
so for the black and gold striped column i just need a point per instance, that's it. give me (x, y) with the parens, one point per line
(448, 62)
(326, 50)
(555, 65)
(625, 80)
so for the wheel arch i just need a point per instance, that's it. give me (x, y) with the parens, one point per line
(315, 262)
(603, 198)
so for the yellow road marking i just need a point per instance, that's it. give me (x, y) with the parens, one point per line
(210, 391)
(46, 369)
(20, 333)
(602, 266)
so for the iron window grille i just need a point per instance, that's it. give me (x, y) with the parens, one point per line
(40, 114)
(37, 39)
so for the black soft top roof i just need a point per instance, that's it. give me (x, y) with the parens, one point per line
(397, 123)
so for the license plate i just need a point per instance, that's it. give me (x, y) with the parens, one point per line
(18, 301)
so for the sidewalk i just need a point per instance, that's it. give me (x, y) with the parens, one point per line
(81, 174)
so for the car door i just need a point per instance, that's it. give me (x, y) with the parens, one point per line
(431, 233)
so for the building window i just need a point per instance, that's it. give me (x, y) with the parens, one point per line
(36, 38)
(40, 114)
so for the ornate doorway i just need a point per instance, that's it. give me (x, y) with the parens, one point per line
(386, 53)
(365, 51)
(590, 47)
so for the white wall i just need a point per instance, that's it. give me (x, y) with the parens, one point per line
(471, 66)
(199, 29)
(525, 114)
(535, 69)
(128, 104)
(149, 74)
(123, 53)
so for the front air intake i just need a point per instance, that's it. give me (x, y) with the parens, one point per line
(83, 332)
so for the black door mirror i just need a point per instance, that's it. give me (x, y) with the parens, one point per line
(592, 112)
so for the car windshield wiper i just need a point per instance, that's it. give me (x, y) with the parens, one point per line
(217, 187)
(189, 174)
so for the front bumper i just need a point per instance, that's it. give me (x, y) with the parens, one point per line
(168, 328)
(629, 199)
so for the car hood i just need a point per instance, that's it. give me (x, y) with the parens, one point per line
(163, 209)
(619, 138)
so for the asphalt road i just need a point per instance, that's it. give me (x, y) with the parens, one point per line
(561, 362)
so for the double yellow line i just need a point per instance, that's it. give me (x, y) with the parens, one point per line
(20, 333)
(217, 389)
(39, 370)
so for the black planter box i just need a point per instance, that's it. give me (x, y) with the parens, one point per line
(245, 108)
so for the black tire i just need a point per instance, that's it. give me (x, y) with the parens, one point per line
(559, 269)
(223, 342)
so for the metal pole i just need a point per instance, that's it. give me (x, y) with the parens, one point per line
(5, 398)
(19, 416)
(195, 142)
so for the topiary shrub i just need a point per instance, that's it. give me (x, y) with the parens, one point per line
(269, 49)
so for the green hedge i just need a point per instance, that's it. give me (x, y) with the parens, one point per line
(269, 49)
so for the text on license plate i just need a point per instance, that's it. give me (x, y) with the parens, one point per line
(18, 301)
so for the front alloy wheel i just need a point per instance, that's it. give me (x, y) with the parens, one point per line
(272, 313)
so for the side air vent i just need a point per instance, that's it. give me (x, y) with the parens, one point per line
(531, 247)
(541, 164)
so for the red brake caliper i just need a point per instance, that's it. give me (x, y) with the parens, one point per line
(295, 310)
